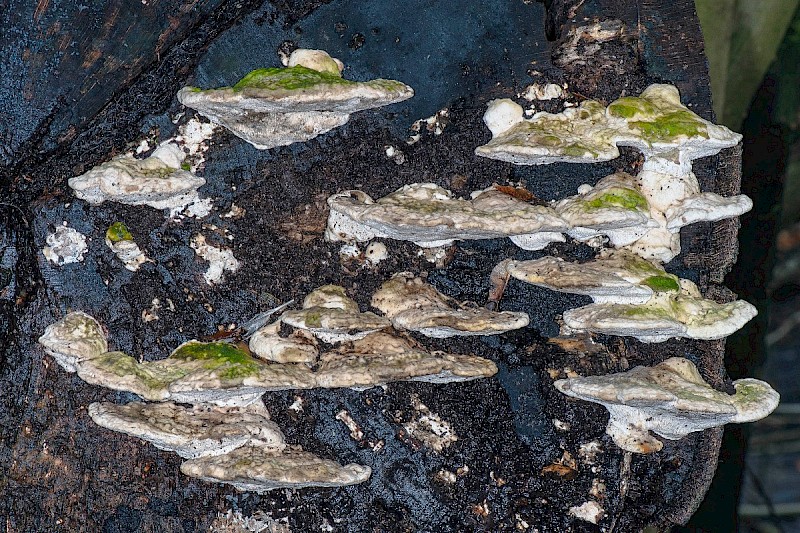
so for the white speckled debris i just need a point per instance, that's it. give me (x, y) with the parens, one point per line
(120, 241)
(220, 260)
(381, 358)
(655, 122)
(191, 432)
(73, 339)
(667, 314)
(64, 246)
(157, 181)
(299, 347)
(330, 315)
(429, 216)
(616, 276)
(547, 91)
(429, 428)
(670, 399)
(278, 106)
(412, 304)
(615, 207)
(257, 469)
(590, 511)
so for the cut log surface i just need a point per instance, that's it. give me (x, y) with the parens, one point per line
(85, 83)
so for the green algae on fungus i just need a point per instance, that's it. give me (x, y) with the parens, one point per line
(272, 107)
(619, 197)
(655, 122)
(665, 283)
(288, 79)
(668, 314)
(117, 232)
(214, 355)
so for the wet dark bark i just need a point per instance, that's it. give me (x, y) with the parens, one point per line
(87, 81)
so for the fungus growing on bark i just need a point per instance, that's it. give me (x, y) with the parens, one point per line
(272, 107)
(299, 347)
(330, 315)
(668, 314)
(191, 432)
(258, 469)
(616, 276)
(380, 358)
(670, 399)
(615, 207)
(120, 241)
(73, 339)
(220, 260)
(429, 216)
(157, 181)
(412, 304)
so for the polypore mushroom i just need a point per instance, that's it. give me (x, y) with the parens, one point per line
(215, 372)
(272, 107)
(412, 304)
(670, 399)
(190, 432)
(298, 347)
(73, 339)
(667, 314)
(121, 242)
(157, 181)
(655, 122)
(330, 315)
(614, 207)
(381, 358)
(429, 216)
(616, 276)
(252, 468)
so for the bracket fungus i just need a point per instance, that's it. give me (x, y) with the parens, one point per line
(299, 347)
(252, 468)
(668, 314)
(615, 207)
(73, 339)
(656, 123)
(380, 358)
(120, 241)
(330, 315)
(157, 181)
(616, 276)
(429, 216)
(272, 107)
(191, 432)
(412, 304)
(670, 399)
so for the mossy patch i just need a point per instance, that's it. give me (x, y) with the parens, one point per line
(664, 283)
(313, 319)
(288, 79)
(118, 232)
(619, 197)
(238, 363)
(669, 126)
(630, 106)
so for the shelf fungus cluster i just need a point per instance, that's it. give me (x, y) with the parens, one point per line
(632, 297)
(272, 107)
(226, 435)
(159, 181)
(669, 135)
(670, 399)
